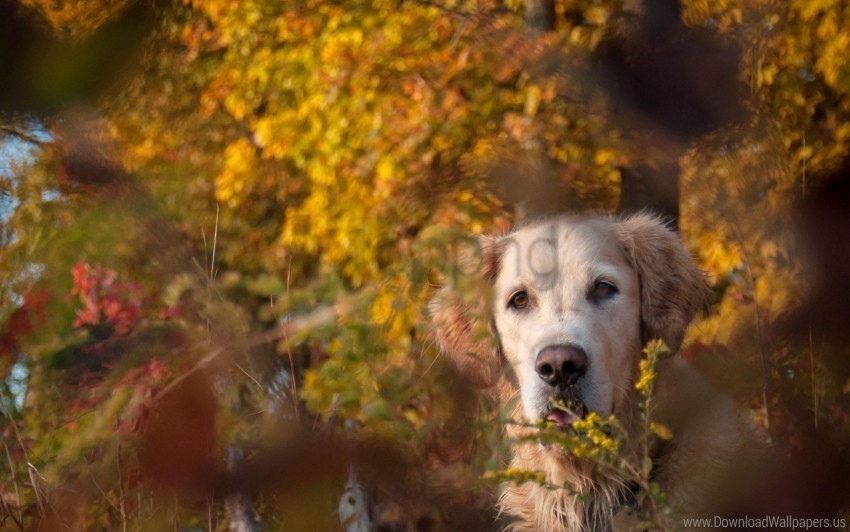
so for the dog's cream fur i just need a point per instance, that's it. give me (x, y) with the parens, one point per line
(559, 263)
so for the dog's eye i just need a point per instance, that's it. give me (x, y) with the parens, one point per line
(518, 300)
(601, 291)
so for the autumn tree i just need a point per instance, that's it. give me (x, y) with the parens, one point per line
(216, 264)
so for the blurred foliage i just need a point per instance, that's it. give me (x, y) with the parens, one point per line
(232, 248)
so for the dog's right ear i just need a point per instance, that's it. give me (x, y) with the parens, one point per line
(672, 288)
(461, 316)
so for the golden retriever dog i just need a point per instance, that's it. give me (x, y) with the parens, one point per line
(570, 304)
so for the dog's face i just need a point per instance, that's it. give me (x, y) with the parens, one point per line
(567, 310)
(573, 300)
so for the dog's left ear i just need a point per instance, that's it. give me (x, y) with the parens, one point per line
(461, 323)
(672, 288)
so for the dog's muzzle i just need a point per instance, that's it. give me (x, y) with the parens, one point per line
(561, 366)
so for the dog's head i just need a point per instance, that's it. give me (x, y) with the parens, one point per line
(573, 301)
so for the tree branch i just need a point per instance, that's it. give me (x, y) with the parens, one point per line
(12, 131)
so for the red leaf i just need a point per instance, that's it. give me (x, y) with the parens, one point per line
(23, 320)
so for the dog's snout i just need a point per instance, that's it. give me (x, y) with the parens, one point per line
(561, 365)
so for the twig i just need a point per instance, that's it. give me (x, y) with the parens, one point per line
(9, 455)
(98, 486)
(26, 137)
(35, 488)
(763, 356)
(204, 237)
(15, 483)
(7, 510)
(240, 368)
(212, 272)
(293, 386)
(122, 502)
(285, 331)
(215, 244)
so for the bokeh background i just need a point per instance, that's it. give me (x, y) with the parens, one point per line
(221, 222)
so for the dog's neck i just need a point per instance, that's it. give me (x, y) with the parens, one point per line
(583, 501)
(578, 495)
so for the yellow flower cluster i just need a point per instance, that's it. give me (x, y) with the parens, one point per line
(646, 379)
(594, 440)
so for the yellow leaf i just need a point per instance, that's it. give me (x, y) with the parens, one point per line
(532, 100)
(239, 162)
(602, 157)
(662, 431)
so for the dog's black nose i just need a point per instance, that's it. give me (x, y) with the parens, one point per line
(561, 365)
